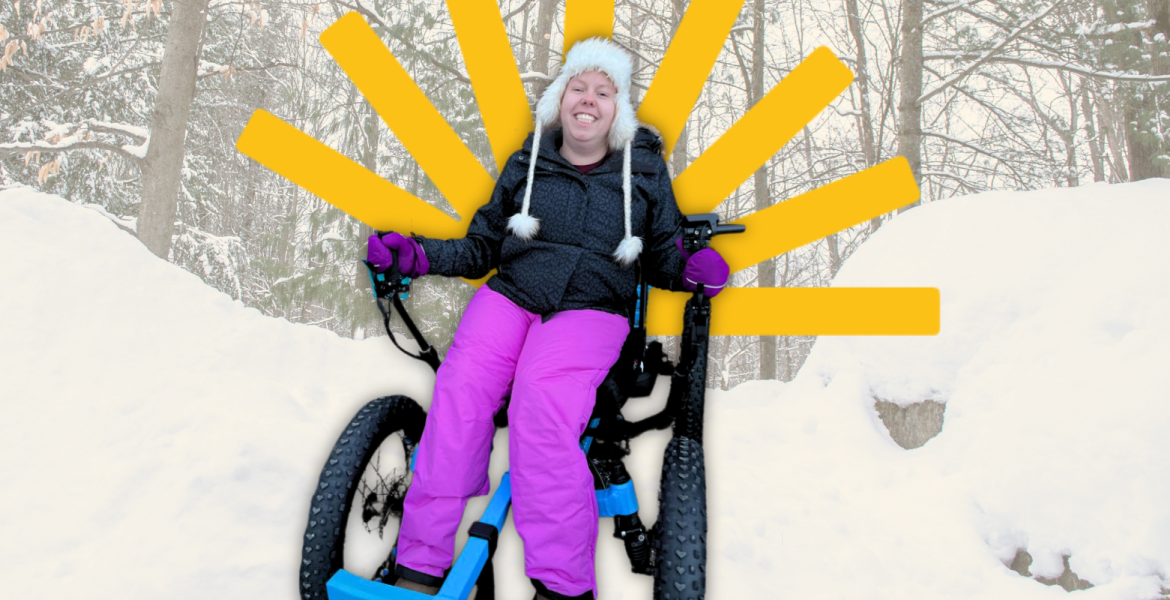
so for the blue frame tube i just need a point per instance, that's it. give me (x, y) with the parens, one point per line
(616, 500)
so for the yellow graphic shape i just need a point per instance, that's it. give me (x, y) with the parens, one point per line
(344, 183)
(409, 114)
(804, 311)
(761, 132)
(819, 213)
(749, 143)
(684, 69)
(587, 18)
(495, 77)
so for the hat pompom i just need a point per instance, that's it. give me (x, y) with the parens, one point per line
(629, 250)
(524, 226)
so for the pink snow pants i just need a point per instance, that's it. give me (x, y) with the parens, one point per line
(555, 368)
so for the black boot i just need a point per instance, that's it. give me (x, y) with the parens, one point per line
(543, 593)
(409, 579)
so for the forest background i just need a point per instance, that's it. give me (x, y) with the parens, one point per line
(133, 109)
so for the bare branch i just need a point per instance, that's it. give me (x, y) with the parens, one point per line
(234, 70)
(518, 10)
(989, 54)
(949, 8)
(1043, 64)
(965, 144)
(84, 85)
(374, 19)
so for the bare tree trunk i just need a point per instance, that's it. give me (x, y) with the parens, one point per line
(865, 120)
(168, 126)
(766, 270)
(1141, 152)
(372, 132)
(1141, 102)
(545, 14)
(1114, 134)
(865, 124)
(523, 59)
(910, 80)
(834, 256)
(678, 158)
(636, 26)
(1095, 142)
(1069, 136)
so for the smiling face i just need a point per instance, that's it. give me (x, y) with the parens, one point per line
(587, 112)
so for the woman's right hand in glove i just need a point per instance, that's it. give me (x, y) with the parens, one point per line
(412, 261)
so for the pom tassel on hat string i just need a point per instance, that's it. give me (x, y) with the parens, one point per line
(522, 224)
(627, 251)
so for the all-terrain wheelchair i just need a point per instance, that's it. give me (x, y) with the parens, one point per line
(673, 551)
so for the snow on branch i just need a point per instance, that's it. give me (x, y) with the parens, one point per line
(1097, 30)
(138, 133)
(80, 136)
(984, 57)
(534, 75)
(128, 224)
(71, 143)
(1046, 64)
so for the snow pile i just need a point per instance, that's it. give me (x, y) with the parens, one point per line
(1052, 364)
(160, 441)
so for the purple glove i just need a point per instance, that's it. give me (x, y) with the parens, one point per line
(412, 261)
(708, 268)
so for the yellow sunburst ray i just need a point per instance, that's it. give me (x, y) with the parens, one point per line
(587, 18)
(409, 114)
(805, 311)
(684, 69)
(794, 102)
(495, 77)
(819, 213)
(759, 134)
(335, 178)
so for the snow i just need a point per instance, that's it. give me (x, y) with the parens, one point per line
(161, 440)
(131, 130)
(1116, 27)
(529, 75)
(129, 223)
(207, 68)
(138, 150)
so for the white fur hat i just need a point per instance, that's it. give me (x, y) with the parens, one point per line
(593, 54)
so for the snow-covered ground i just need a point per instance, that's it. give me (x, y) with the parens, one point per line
(158, 440)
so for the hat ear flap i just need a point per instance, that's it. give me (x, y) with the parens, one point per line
(625, 123)
(548, 109)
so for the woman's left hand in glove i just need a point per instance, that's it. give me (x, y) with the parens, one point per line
(706, 267)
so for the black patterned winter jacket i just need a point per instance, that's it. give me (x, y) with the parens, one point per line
(569, 264)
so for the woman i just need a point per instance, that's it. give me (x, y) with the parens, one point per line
(570, 214)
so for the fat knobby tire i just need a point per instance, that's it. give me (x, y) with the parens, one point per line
(329, 510)
(680, 535)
